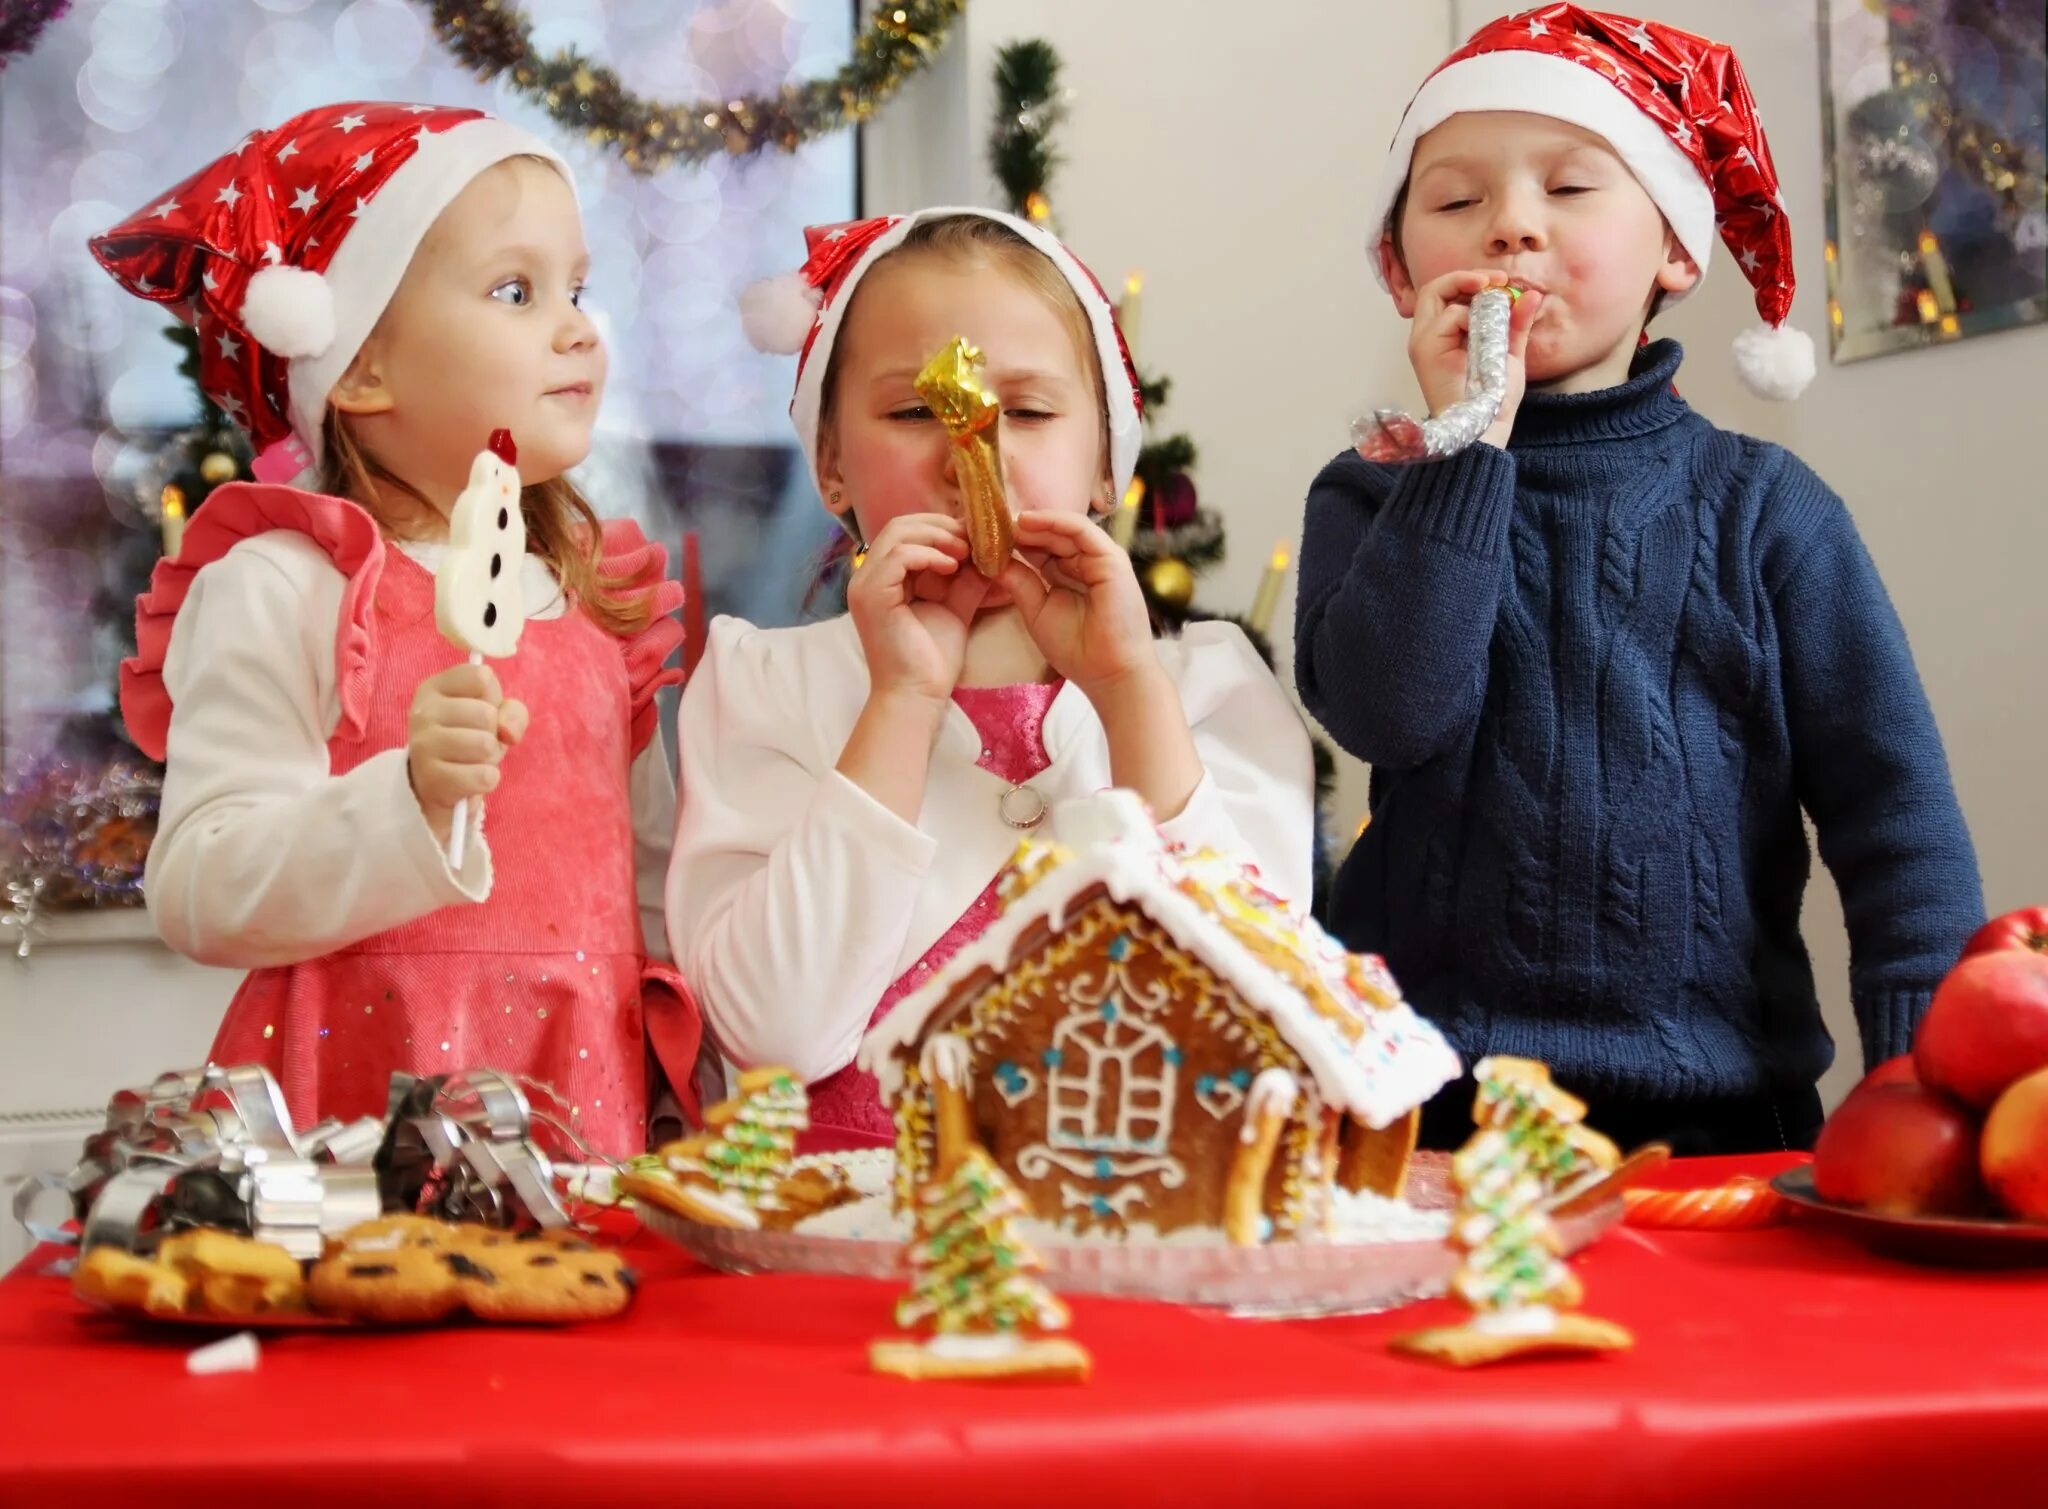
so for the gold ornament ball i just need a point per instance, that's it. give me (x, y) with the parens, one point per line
(218, 467)
(1170, 581)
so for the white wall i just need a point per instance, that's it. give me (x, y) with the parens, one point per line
(1232, 176)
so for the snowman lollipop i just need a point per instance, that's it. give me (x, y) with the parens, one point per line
(479, 603)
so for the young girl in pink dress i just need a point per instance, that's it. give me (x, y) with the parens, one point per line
(851, 789)
(377, 288)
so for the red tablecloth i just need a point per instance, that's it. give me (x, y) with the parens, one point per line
(1781, 1366)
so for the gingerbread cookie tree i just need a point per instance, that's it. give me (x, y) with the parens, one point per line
(973, 1284)
(740, 1165)
(751, 1154)
(1511, 1276)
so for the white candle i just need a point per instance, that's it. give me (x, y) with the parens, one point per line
(1125, 524)
(171, 502)
(1127, 312)
(1268, 598)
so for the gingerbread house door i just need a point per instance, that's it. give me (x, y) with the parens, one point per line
(1112, 1086)
(1111, 1082)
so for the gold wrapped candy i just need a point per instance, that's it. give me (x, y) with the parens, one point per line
(950, 385)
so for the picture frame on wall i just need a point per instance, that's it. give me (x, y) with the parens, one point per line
(1935, 154)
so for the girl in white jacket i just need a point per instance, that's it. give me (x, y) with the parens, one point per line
(851, 789)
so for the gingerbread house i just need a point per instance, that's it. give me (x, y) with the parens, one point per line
(1151, 1044)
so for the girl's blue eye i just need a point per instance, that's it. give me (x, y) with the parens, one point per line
(915, 414)
(577, 297)
(520, 290)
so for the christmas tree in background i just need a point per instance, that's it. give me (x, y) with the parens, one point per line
(76, 821)
(192, 461)
(1171, 538)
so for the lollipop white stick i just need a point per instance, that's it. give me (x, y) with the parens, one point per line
(479, 599)
(458, 825)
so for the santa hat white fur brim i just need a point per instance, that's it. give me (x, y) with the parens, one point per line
(319, 321)
(1124, 425)
(1539, 84)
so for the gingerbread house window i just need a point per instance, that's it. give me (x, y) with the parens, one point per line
(1112, 1084)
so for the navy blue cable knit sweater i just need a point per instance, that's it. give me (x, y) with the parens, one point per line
(1597, 676)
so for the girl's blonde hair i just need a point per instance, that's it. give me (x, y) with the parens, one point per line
(561, 527)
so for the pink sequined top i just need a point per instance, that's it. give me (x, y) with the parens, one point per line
(1011, 722)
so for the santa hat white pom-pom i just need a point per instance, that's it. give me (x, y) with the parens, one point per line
(1774, 362)
(289, 311)
(777, 313)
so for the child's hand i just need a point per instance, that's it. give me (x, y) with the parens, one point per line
(1436, 342)
(1079, 599)
(912, 602)
(459, 728)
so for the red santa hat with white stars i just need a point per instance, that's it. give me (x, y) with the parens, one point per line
(285, 252)
(1677, 111)
(799, 313)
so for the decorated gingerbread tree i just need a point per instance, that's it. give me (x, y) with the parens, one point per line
(752, 1151)
(1510, 1273)
(973, 1284)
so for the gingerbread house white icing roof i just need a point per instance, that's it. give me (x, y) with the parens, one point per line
(1367, 1050)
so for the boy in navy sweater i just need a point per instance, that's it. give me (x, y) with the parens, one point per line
(1601, 660)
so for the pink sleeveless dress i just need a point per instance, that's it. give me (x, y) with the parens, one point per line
(544, 978)
(846, 1107)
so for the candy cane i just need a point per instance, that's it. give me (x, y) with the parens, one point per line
(1735, 1206)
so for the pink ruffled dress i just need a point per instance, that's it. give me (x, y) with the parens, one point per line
(546, 977)
(847, 1107)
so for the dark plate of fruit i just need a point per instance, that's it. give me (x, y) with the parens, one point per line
(1954, 1241)
(1941, 1155)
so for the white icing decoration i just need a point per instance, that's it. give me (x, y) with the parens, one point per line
(1219, 1098)
(1037, 1160)
(476, 609)
(1523, 1320)
(975, 1346)
(1273, 1093)
(945, 1059)
(1109, 817)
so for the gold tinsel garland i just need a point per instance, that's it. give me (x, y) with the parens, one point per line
(494, 37)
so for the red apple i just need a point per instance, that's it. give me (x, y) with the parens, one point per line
(1987, 1026)
(1903, 1150)
(2015, 1148)
(2021, 929)
(1893, 1071)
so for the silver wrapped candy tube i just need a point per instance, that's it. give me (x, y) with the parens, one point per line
(1389, 435)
